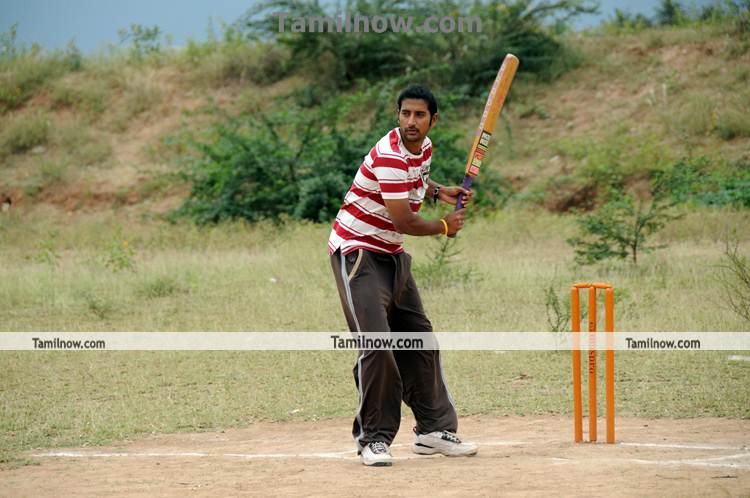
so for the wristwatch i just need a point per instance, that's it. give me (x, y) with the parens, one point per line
(436, 194)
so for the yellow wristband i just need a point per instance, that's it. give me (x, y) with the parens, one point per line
(445, 226)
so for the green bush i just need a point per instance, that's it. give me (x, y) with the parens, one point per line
(694, 181)
(142, 93)
(469, 60)
(298, 162)
(24, 132)
(87, 96)
(670, 13)
(23, 71)
(624, 22)
(52, 171)
(144, 41)
(735, 278)
(444, 268)
(733, 123)
(620, 228)
(614, 160)
(159, 286)
(696, 118)
(268, 166)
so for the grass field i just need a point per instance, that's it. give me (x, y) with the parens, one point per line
(108, 272)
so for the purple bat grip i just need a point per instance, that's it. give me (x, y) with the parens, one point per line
(467, 186)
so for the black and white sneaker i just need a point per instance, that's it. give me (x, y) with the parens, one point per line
(376, 454)
(443, 442)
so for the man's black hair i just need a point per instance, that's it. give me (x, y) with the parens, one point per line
(422, 93)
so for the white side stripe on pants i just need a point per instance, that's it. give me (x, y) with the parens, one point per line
(350, 303)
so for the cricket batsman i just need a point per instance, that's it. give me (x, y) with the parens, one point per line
(378, 292)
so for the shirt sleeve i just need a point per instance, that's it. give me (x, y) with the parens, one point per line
(392, 175)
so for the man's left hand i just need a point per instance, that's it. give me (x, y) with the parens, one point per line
(450, 195)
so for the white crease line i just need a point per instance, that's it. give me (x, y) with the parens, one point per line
(686, 446)
(709, 462)
(338, 455)
(248, 456)
(727, 457)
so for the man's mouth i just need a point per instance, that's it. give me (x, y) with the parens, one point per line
(412, 131)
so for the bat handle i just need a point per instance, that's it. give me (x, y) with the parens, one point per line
(467, 185)
(459, 200)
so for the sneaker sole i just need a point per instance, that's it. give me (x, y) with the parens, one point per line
(421, 450)
(377, 464)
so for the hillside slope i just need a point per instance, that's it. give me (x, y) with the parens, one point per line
(108, 136)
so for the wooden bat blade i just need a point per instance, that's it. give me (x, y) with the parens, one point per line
(492, 109)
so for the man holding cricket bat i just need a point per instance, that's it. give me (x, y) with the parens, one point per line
(378, 292)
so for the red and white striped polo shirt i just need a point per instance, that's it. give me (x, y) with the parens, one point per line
(389, 171)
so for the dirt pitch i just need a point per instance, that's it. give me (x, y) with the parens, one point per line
(518, 456)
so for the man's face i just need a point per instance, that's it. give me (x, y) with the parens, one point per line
(414, 120)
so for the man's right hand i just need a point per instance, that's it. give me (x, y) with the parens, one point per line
(455, 221)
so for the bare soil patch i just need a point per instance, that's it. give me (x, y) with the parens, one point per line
(518, 456)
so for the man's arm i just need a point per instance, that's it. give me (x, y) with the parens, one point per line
(408, 222)
(449, 195)
(431, 184)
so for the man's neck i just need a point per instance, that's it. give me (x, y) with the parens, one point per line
(413, 147)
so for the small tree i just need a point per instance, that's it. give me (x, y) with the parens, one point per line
(558, 310)
(735, 278)
(444, 267)
(620, 227)
(670, 13)
(144, 40)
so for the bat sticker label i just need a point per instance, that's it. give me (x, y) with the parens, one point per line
(485, 140)
(473, 170)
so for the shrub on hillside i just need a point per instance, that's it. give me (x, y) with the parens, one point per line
(735, 278)
(620, 228)
(87, 96)
(298, 162)
(270, 166)
(144, 41)
(23, 71)
(614, 160)
(694, 181)
(24, 133)
(340, 59)
(670, 13)
(734, 121)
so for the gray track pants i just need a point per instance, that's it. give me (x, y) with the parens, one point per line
(378, 294)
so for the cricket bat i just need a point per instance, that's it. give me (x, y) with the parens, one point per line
(492, 108)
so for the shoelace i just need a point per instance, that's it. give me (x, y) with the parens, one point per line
(449, 436)
(378, 447)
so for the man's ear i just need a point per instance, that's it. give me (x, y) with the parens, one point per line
(433, 120)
